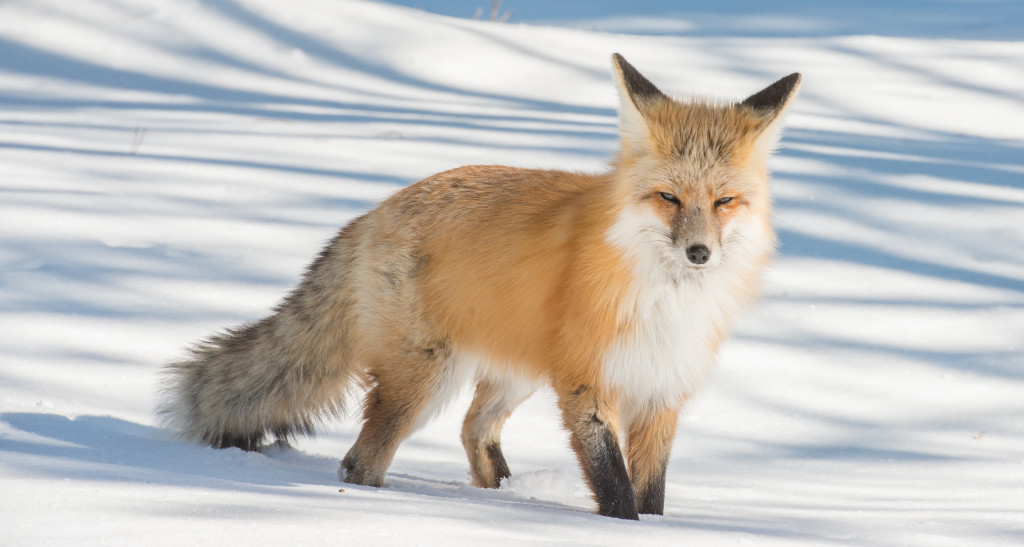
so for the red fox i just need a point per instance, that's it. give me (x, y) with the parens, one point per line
(616, 289)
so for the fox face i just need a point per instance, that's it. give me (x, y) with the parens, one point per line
(697, 174)
(693, 220)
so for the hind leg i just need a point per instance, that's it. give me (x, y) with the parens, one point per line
(481, 432)
(392, 410)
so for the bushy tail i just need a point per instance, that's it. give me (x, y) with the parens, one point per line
(281, 375)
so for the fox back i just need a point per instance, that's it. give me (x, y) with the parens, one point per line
(616, 289)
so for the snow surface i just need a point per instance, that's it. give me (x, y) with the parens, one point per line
(167, 168)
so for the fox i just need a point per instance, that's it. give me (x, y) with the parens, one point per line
(615, 289)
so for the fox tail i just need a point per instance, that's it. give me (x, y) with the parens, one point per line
(279, 376)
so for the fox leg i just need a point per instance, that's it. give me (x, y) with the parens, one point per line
(590, 418)
(649, 442)
(481, 432)
(392, 410)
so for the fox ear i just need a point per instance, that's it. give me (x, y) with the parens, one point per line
(772, 100)
(637, 96)
(768, 104)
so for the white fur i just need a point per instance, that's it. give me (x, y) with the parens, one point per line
(457, 372)
(676, 310)
(632, 126)
(464, 366)
(511, 390)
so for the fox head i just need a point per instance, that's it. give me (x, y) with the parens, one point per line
(695, 173)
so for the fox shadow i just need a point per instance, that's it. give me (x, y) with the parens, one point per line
(104, 448)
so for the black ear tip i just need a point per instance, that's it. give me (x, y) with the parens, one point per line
(787, 84)
(775, 96)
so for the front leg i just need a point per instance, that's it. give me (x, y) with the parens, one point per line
(590, 417)
(650, 442)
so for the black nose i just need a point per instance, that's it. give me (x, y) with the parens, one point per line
(698, 254)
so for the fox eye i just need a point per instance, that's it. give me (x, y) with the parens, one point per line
(723, 201)
(670, 198)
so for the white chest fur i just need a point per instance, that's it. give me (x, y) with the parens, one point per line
(670, 349)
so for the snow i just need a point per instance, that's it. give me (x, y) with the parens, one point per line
(168, 169)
